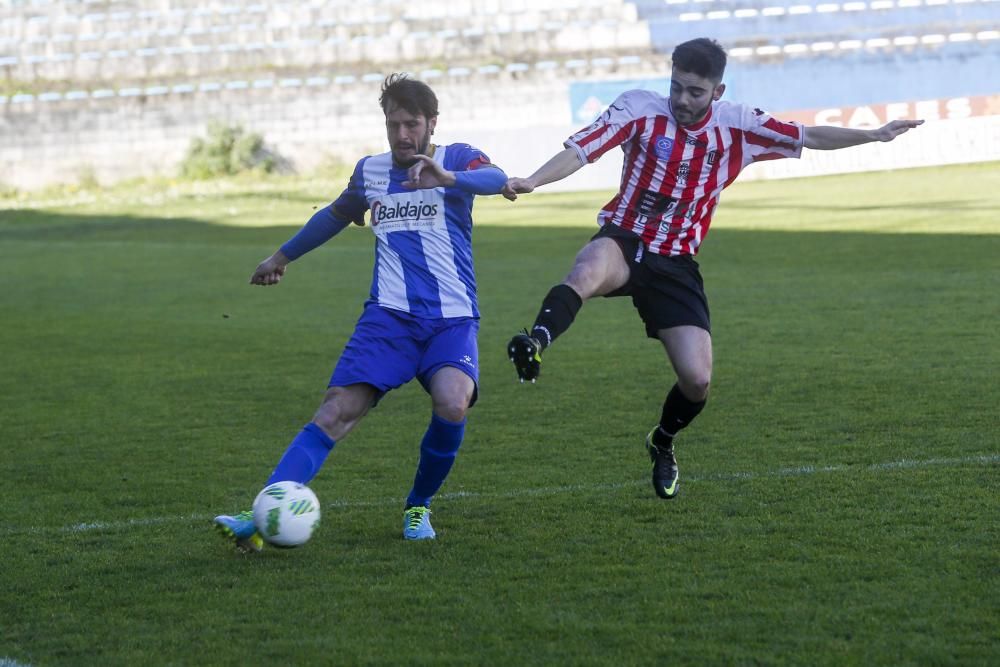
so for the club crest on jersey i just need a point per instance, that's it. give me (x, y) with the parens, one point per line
(663, 146)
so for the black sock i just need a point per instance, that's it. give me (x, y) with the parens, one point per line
(678, 412)
(559, 307)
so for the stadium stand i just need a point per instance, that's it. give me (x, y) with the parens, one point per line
(878, 24)
(54, 44)
(860, 76)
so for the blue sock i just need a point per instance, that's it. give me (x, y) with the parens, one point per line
(304, 457)
(437, 454)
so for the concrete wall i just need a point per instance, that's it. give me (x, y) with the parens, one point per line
(118, 137)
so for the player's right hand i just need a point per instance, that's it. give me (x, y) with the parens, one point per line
(425, 173)
(269, 272)
(516, 186)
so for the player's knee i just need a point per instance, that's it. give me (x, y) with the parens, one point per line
(451, 394)
(453, 403)
(452, 409)
(337, 412)
(586, 279)
(598, 271)
(695, 386)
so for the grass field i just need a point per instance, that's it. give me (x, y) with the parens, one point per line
(839, 496)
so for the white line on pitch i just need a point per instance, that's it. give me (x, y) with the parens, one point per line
(985, 459)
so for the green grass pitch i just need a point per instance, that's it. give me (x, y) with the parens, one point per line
(839, 496)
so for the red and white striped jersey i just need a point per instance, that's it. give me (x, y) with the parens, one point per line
(672, 176)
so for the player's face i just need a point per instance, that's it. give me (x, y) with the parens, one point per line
(407, 134)
(691, 96)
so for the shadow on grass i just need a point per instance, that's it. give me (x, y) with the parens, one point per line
(38, 225)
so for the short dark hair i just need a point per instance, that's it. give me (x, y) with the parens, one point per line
(702, 56)
(414, 96)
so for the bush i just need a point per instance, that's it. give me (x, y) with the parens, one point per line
(226, 151)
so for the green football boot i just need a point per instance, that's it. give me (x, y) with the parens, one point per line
(417, 524)
(241, 531)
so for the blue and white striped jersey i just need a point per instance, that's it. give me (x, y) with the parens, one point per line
(423, 250)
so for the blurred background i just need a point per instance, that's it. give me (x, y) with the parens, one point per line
(109, 90)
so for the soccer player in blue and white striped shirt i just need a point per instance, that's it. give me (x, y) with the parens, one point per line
(421, 319)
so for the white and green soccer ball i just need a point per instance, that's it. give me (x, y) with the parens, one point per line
(286, 514)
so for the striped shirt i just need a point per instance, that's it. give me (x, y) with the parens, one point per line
(423, 249)
(672, 176)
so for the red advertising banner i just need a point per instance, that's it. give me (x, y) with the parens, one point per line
(876, 115)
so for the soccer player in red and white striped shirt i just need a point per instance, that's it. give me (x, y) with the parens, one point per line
(680, 151)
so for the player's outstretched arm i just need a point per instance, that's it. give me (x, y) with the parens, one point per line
(322, 226)
(270, 271)
(559, 166)
(827, 138)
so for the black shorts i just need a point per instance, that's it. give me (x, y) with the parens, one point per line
(667, 291)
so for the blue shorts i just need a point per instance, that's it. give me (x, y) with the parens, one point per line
(389, 348)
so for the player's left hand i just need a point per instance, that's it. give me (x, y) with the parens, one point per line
(426, 173)
(894, 128)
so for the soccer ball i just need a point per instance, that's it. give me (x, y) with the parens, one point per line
(286, 514)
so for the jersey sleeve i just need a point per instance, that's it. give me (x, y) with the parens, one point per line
(767, 138)
(322, 226)
(614, 127)
(463, 157)
(474, 173)
(352, 203)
